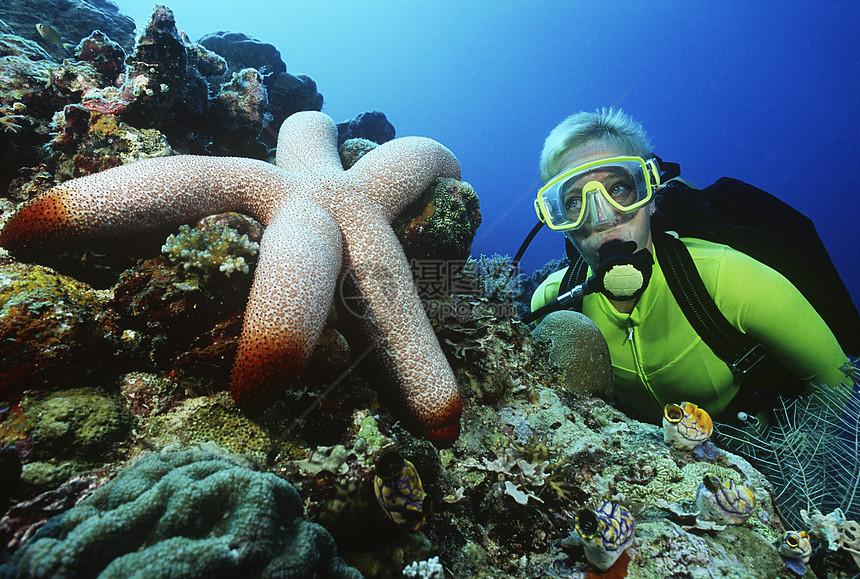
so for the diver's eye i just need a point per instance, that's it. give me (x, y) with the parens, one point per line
(573, 204)
(623, 193)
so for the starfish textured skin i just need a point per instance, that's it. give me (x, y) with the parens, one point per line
(318, 217)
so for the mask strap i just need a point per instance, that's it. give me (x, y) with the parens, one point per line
(668, 170)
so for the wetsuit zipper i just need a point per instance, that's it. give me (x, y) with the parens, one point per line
(637, 361)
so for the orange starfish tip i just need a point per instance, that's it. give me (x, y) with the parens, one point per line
(36, 222)
(444, 428)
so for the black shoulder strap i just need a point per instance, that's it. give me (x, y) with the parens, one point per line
(738, 350)
(574, 276)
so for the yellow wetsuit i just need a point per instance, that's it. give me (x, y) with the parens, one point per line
(657, 356)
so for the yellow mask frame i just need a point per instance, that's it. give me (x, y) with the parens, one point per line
(550, 202)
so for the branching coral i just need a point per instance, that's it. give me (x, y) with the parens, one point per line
(538, 450)
(210, 249)
(9, 116)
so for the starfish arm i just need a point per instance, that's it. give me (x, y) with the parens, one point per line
(307, 143)
(397, 321)
(142, 196)
(300, 257)
(394, 174)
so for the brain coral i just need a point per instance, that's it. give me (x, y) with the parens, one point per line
(579, 349)
(183, 514)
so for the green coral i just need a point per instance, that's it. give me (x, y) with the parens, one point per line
(441, 223)
(228, 429)
(354, 149)
(368, 431)
(80, 423)
(39, 477)
(210, 249)
(208, 420)
(183, 514)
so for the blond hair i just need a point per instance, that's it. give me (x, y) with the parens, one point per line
(611, 126)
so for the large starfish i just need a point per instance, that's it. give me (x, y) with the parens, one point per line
(318, 218)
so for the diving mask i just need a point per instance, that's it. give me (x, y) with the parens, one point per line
(598, 191)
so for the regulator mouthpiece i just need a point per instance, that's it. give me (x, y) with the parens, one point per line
(623, 273)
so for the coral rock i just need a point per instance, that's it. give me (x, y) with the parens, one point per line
(373, 126)
(106, 56)
(50, 325)
(77, 423)
(287, 93)
(73, 19)
(441, 224)
(579, 349)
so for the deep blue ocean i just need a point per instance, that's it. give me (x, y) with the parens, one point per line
(763, 91)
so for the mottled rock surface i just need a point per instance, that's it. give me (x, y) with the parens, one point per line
(73, 19)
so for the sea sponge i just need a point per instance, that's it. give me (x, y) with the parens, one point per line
(579, 349)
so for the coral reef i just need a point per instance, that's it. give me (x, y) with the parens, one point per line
(286, 93)
(77, 423)
(525, 285)
(493, 273)
(104, 54)
(88, 141)
(183, 512)
(162, 307)
(141, 367)
(313, 229)
(437, 227)
(353, 150)
(73, 19)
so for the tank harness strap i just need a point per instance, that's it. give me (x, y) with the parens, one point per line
(735, 348)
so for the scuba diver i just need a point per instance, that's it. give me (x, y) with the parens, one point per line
(601, 181)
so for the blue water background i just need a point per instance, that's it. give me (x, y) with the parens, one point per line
(763, 91)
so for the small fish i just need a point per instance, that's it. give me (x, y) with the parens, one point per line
(685, 425)
(605, 532)
(399, 491)
(722, 502)
(52, 35)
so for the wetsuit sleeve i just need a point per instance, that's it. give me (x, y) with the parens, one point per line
(760, 302)
(548, 289)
